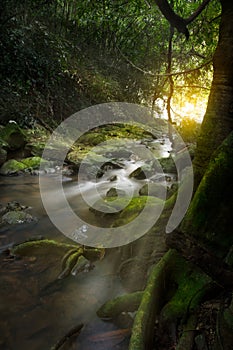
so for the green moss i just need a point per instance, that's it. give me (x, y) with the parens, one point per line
(31, 162)
(12, 166)
(123, 303)
(209, 217)
(17, 217)
(126, 209)
(40, 247)
(192, 285)
(92, 139)
(13, 136)
(151, 304)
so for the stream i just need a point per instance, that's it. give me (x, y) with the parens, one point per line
(37, 309)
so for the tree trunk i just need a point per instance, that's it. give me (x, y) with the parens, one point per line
(218, 120)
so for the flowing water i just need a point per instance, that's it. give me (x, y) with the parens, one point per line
(36, 308)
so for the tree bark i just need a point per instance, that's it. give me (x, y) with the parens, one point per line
(218, 119)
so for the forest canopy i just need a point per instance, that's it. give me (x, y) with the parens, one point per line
(60, 56)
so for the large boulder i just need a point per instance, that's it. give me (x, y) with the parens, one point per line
(13, 136)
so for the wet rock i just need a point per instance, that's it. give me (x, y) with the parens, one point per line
(138, 174)
(109, 165)
(173, 189)
(153, 189)
(168, 165)
(145, 171)
(112, 178)
(114, 192)
(16, 206)
(119, 154)
(17, 217)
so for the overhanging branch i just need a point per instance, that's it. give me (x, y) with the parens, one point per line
(175, 20)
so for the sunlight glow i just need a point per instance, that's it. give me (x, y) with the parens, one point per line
(192, 107)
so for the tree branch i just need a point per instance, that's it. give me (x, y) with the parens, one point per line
(176, 21)
(197, 12)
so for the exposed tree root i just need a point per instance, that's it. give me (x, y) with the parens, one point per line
(142, 332)
(200, 256)
(188, 285)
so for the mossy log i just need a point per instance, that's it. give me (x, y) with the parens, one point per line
(124, 303)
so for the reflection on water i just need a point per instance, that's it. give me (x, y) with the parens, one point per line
(36, 309)
(33, 315)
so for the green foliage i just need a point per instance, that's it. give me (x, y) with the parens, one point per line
(58, 57)
(189, 129)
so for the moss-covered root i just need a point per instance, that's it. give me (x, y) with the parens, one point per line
(128, 303)
(40, 247)
(142, 331)
(69, 261)
(192, 284)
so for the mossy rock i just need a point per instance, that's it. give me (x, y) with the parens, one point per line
(17, 217)
(32, 162)
(13, 136)
(92, 138)
(168, 165)
(123, 210)
(115, 192)
(43, 247)
(153, 189)
(11, 167)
